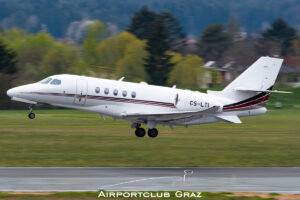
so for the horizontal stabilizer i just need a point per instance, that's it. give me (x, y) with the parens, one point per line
(255, 90)
(230, 118)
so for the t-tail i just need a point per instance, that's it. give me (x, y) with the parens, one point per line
(251, 90)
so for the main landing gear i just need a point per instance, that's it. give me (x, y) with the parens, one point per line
(31, 115)
(140, 132)
(152, 132)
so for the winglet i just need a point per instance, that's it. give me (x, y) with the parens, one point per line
(230, 118)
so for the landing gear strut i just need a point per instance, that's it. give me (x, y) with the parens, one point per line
(31, 115)
(153, 132)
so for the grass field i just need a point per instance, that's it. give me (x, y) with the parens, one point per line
(75, 138)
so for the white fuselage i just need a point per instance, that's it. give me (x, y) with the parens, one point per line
(119, 98)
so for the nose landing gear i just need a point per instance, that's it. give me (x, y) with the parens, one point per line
(31, 115)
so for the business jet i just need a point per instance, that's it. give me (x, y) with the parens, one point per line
(152, 105)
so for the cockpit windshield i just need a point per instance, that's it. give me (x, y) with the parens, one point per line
(45, 81)
(56, 82)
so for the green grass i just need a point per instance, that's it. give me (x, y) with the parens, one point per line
(75, 138)
(287, 100)
(93, 195)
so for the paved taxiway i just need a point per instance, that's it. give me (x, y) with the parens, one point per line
(39, 179)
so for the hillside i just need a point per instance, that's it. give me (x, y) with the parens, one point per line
(56, 15)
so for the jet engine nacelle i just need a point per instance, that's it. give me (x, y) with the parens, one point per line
(195, 102)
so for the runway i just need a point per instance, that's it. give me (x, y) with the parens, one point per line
(45, 179)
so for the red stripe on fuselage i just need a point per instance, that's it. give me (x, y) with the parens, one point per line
(251, 103)
(109, 99)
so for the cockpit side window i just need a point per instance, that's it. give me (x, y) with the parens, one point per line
(55, 82)
(45, 81)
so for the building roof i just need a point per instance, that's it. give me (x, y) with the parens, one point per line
(210, 64)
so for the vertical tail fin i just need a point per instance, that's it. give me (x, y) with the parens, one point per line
(260, 76)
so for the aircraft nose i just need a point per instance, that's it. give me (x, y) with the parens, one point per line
(14, 92)
(11, 92)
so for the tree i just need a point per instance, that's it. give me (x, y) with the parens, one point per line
(176, 36)
(295, 48)
(112, 49)
(1, 33)
(60, 59)
(141, 23)
(31, 55)
(158, 62)
(233, 28)
(94, 34)
(163, 33)
(15, 39)
(188, 71)
(131, 66)
(267, 47)
(241, 53)
(213, 42)
(7, 59)
(281, 33)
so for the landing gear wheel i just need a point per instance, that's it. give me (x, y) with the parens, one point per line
(153, 132)
(140, 132)
(31, 115)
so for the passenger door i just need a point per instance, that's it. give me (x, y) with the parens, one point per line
(81, 92)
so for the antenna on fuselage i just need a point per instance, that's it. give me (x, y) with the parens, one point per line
(122, 78)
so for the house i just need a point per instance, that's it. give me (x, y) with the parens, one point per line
(290, 72)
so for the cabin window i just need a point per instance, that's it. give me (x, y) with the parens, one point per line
(55, 82)
(115, 92)
(45, 81)
(97, 89)
(133, 94)
(106, 91)
(124, 93)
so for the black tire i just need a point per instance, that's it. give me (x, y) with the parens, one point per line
(140, 132)
(31, 115)
(153, 132)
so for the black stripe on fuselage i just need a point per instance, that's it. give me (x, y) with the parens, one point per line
(249, 99)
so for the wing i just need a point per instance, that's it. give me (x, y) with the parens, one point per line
(164, 117)
(230, 118)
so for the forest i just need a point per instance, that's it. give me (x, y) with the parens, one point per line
(58, 16)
